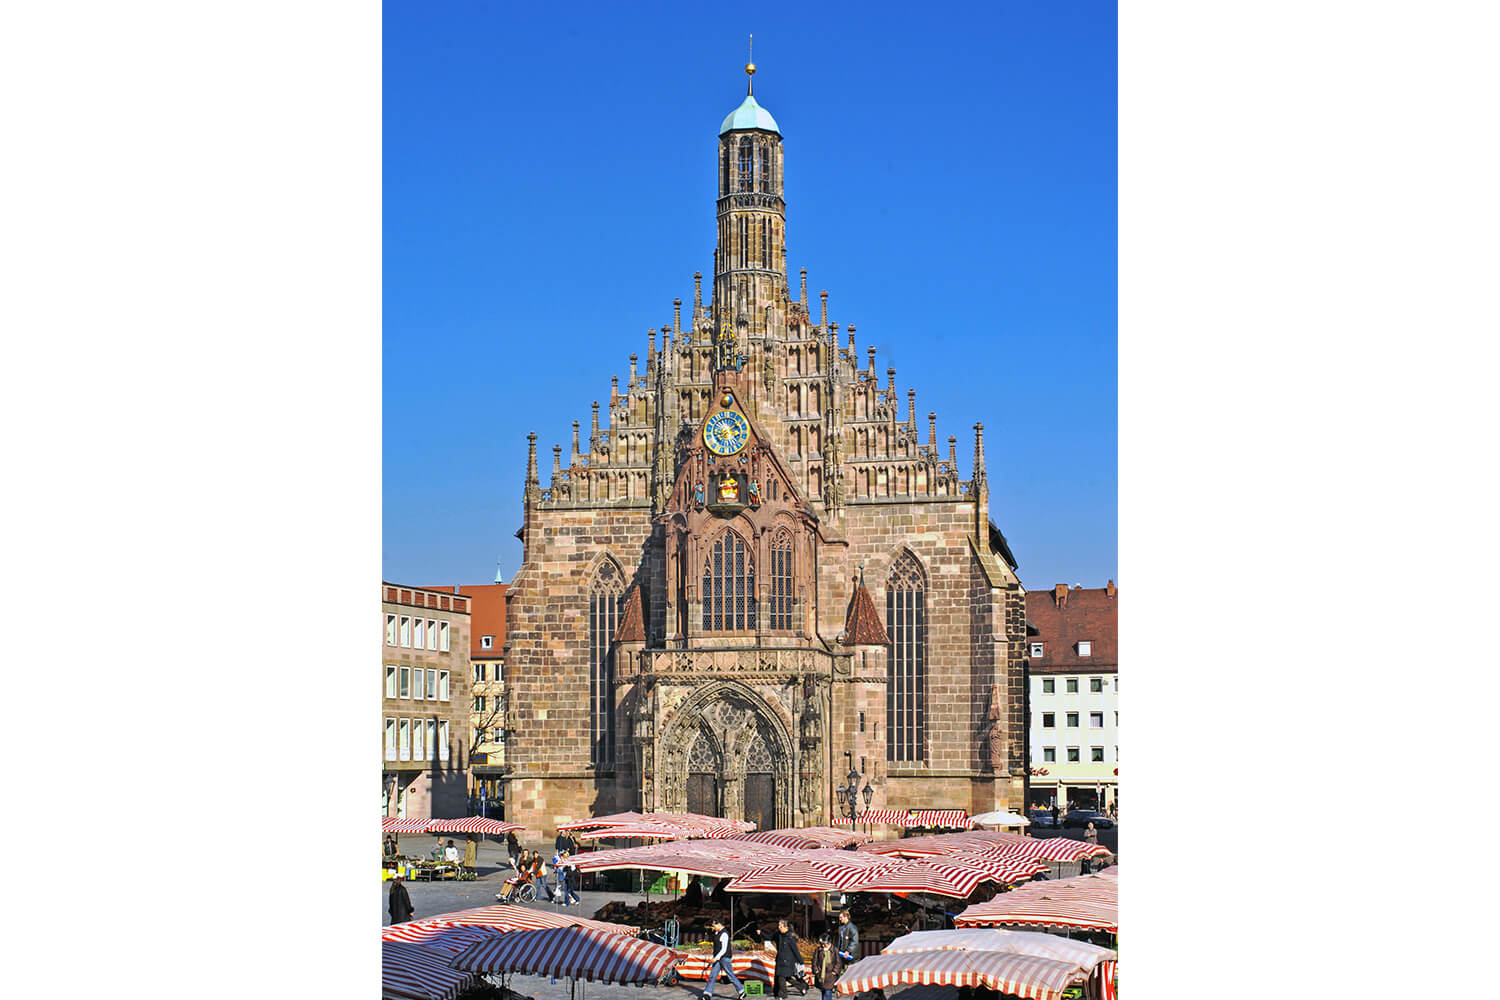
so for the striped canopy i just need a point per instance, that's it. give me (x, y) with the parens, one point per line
(643, 830)
(799, 876)
(746, 964)
(438, 935)
(936, 876)
(1026, 976)
(1053, 946)
(805, 838)
(507, 917)
(1088, 902)
(395, 824)
(912, 819)
(989, 842)
(718, 858)
(575, 952)
(684, 824)
(472, 824)
(412, 972)
(613, 819)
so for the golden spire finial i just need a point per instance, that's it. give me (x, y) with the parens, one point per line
(750, 69)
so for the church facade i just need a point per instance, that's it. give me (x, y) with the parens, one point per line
(757, 575)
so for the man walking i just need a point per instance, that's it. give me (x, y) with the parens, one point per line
(401, 910)
(565, 884)
(723, 960)
(848, 941)
(787, 956)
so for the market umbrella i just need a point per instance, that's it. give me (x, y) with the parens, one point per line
(1053, 946)
(798, 877)
(1026, 976)
(508, 917)
(575, 952)
(805, 838)
(1000, 818)
(937, 876)
(396, 824)
(472, 824)
(438, 935)
(412, 972)
(1041, 910)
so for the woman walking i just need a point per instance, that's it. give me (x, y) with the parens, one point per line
(786, 956)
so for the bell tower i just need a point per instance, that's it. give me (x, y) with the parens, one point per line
(750, 262)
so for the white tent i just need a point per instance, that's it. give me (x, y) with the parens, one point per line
(1001, 820)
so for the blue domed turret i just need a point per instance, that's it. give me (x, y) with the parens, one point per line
(749, 115)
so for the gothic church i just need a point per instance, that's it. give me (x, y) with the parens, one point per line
(758, 576)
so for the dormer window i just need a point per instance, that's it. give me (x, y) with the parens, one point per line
(486, 642)
(1036, 649)
(1085, 648)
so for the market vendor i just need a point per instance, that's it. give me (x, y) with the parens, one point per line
(437, 851)
(390, 845)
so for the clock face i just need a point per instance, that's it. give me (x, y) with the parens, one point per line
(725, 432)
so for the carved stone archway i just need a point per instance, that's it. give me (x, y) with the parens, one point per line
(747, 732)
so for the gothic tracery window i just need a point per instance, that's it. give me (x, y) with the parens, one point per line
(604, 618)
(905, 615)
(758, 755)
(728, 586)
(781, 582)
(747, 172)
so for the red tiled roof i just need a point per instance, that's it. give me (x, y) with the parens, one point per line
(862, 627)
(632, 622)
(1063, 617)
(487, 608)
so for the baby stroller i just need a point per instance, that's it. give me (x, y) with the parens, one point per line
(517, 890)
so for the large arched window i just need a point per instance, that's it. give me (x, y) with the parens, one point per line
(906, 666)
(747, 165)
(781, 582)
(604, 619)
(728, 586)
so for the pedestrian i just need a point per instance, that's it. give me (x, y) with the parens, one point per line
(824, 972)
(1054, 812)
(693, 897)
(450, 854)
(848, 941)
(437, 851)
(401, 910)
(513, 849)
(565, 844)
(390, 845)
(1090, 834)
(786, 956)
(471, 851)
(723, 960)
(566, 885)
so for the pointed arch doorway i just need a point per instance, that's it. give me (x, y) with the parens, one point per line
(705, 771)
(726, 753)
(760, 784)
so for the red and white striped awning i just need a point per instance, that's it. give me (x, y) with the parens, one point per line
(1053, 946)
(799, 876)
(935, 875)
(912, 819)
(641, 830)
(805, 838)
(746, 964)
(1088, 902)
(988, 842)
(438, 935)
(412, 972)
(574, 952)
(523, 918)
(689, 824)
(472, 824)
(718, 858)
(395, 824)
(613, 819)
(1025, 976)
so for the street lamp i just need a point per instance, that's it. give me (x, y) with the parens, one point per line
(849, 795)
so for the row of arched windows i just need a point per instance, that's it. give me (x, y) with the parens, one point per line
(729, 605)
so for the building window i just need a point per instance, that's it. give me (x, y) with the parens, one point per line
(443, 685)
(1096, 685)
(1096, 754)
(1049, 686)
(1072, 720)
(431, 739)
(390, 739)
(432, 685)
(406, 739)
(1072, 685)
(781, 582)
(443, 637)
(406, 631)
(479, 671)
(419, 634)
(406, 682)
(747, 172)
(499, 671)
(604, 619)
(1116, 679)
(861, 722)
(1085, 648)
(486, 642)
(1117, 720)
(418, 740)
(1072, 755)
(906, 664)
(1049, 720)
(1096, 720)
(728, 586)
(1049, 755)
(1036, 648)
(432, 636)
(390, 682)
(390, 630)
(479, 703)
(443, 740)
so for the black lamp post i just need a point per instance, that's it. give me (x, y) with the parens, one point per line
(849, 795)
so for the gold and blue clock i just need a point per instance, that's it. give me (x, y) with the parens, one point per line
(725, 432)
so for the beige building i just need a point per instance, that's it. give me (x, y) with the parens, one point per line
(757, 573)
(426, 703)
(487, 695)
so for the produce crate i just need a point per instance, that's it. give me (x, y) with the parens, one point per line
(755, 988)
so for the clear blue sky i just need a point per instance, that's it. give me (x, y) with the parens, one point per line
(549, 189)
